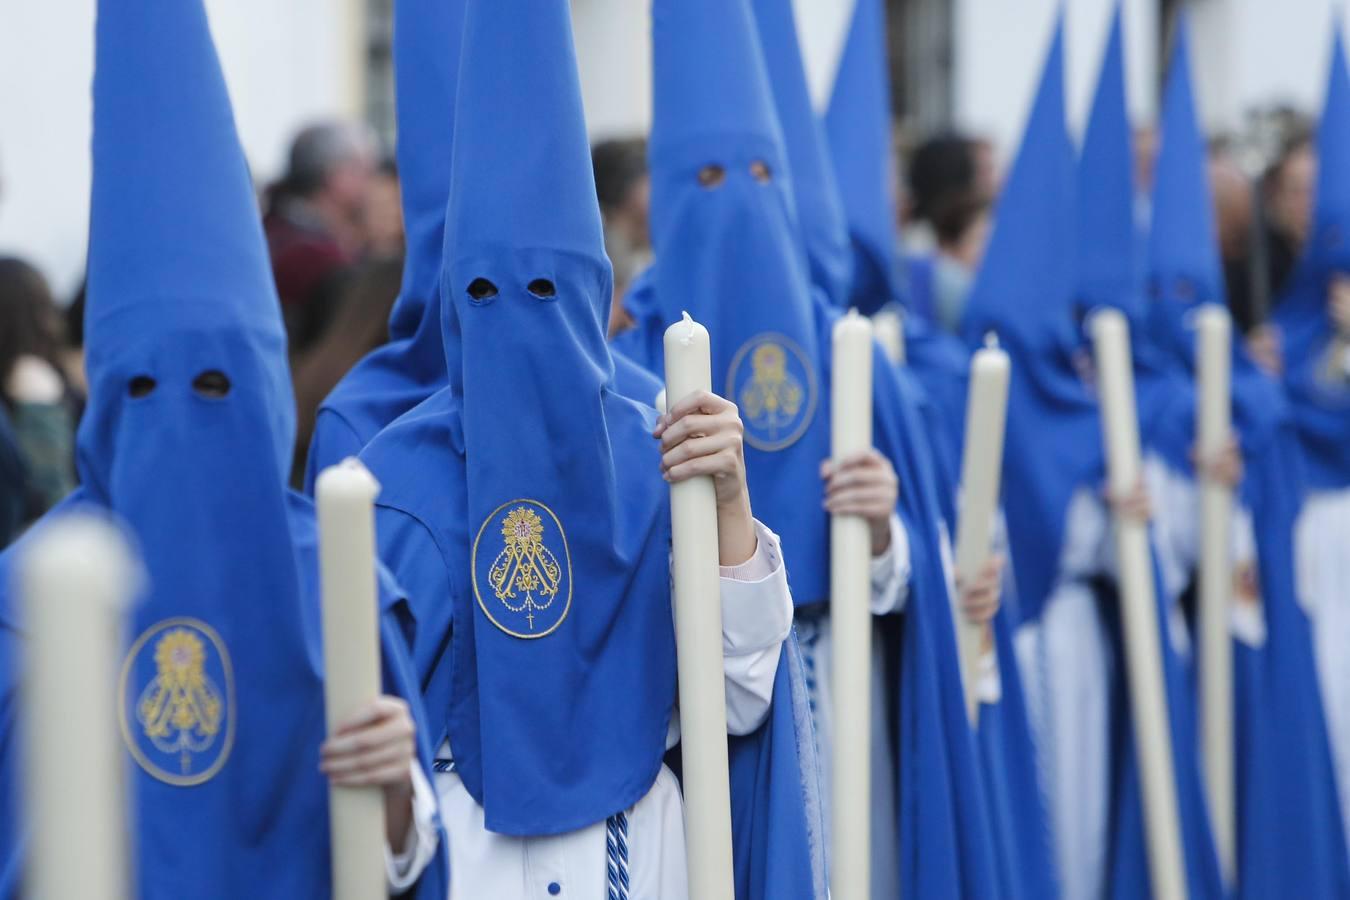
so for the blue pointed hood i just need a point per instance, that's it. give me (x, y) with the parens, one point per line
(1110, 262)
(1328, 249)
(541, 473)
(820, 210)
(1331, 224)
(395, 377)
(1184, 269)
(728, 251)
(175, 240)
(1322, 410)
(187, 439)
(858, 127)
(428, 35)
(727, 93)
(1025, 292)
(1026, 286)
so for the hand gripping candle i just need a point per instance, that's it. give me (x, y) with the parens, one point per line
(76, 579)
(698, 640)
(1214, 354)
(1139, 611)
(851, 620)
(981, 468)
(345, 503)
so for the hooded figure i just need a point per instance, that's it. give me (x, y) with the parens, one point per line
(859, 129)
(819, 209)
(1284, 772)
(525, 509)
(394, 378)
(397, 376)
(186, 439)
(1059, 531)
(1319, 392)
(727, 241)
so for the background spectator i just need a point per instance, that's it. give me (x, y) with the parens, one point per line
(624, 189)
(34, 393)
(316, 223)
(360, 324)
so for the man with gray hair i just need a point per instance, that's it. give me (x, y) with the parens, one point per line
(315, 221)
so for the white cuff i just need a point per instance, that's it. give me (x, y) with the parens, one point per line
(1248, 622)
(402, 869)
(891, 572)
(756, 611)
(988, 680)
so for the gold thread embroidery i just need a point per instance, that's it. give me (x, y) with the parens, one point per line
(181, 710)
(773, 397)
(525, 576)
(776, 405)
(525, 565)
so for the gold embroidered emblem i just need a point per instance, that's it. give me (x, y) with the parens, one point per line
(179, 725)
(526, 577)
(777, 395)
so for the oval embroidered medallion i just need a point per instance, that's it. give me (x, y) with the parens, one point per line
(522, 570)
(775, 386)
(176, 702)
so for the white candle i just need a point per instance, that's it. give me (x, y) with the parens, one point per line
(851, 622)
(981, 468)
(75, 579)
(1214, 355)
(344, 498)
(698, 636)
(1139, 613)
(890, 332)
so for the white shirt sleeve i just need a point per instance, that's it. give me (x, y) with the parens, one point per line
(891, 572)
(756, 619)
(419, 846)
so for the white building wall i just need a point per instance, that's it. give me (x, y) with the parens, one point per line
(1000, 47)
(286, 62)
(291, 61)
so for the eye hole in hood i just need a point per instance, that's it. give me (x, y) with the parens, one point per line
(481, 290)
(212, 384)
(141, 386)
(711, 176)
(542, 288)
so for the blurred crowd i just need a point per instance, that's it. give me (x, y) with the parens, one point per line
(334, 227)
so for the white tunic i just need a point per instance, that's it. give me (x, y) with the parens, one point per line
(890, 589)
(756, 619)
(1068, 662)
(1322, 541)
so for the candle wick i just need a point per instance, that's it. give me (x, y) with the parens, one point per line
(689, 323)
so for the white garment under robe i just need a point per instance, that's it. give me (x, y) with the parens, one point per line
(756, 619)
(890, 590)
(1322, 541)
(1068, 664)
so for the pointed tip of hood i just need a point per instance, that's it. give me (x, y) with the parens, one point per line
(727, 93)
(1331, 231)
(1183, 241)
(1109, 267)
(858, 126)
(1025, 287)
(521, 173)
(174, 222)
(819, 207)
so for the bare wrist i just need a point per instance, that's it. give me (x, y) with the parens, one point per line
(736, 541)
